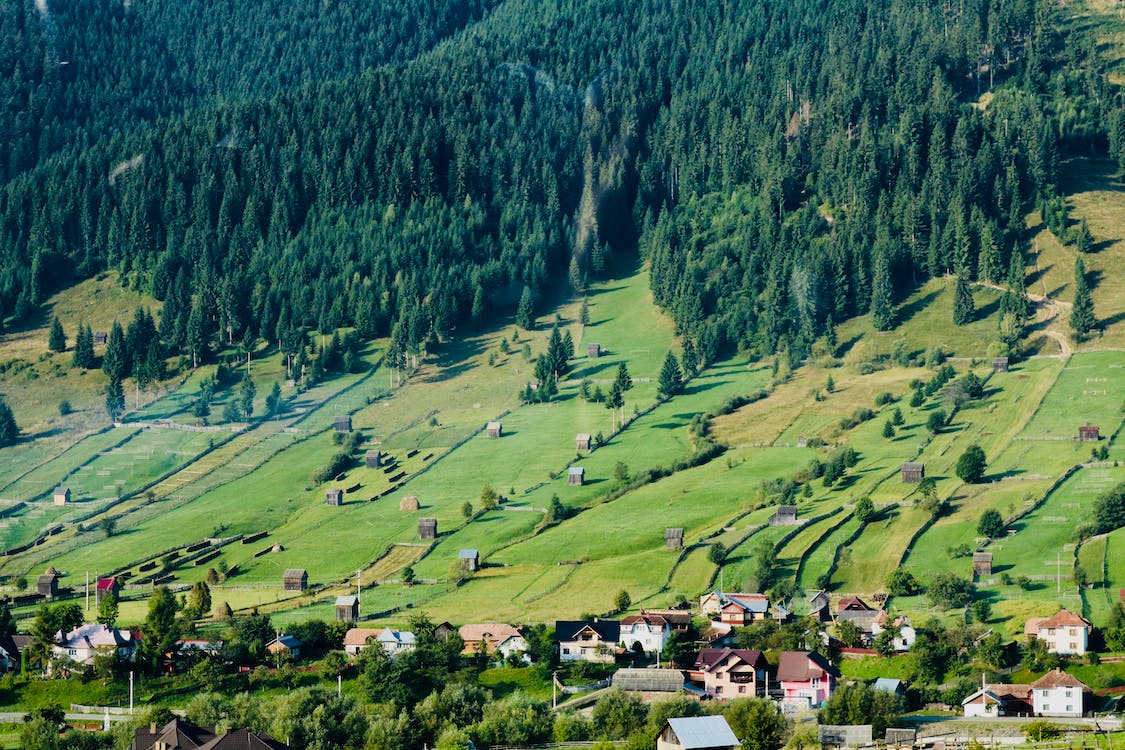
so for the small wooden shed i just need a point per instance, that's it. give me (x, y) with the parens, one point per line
(334, 496)
(1000, 364)
(913, 472)
(673, 538)
(494, 429)
(48, 584)
(427, 528)
(296, 579)
(982, 563)
(582, 441)
(1089, 432)
(468, 559)
(342, 424)
(408, 504)
(62, 495)
(802, 441)
(347, 608)
(100, 338)
(105, 587)
(575, 476)
(593, 351)
(372, 459)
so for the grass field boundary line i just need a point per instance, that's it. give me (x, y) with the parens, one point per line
(684, 552)
(1046, 494)
(72, 472)
(745, 537)
(58, 455)
(820, 540)
(835, 564)
(552, 589)
(1046, 395)
(346, 389)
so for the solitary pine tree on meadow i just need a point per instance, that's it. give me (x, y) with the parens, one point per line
(671, 378)
(1082, 318)
(964, 310)
(8, 429)
(83, 349)
(56, 341)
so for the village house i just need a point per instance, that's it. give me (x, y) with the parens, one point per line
(807, 678)
(697, 733)
(649, 630)
(494, 639)
(854, 610)
(395, 642)
(86, 641)
(11, 649)
(729, 672)
(1058, 694)
(588, 640)
(1064, 633)
(905, 634)
(674, 538)
(743, 609)
(286, 644)
(357, 639)
(178, 734)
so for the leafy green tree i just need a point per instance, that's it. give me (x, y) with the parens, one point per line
(467, 510)
(9, 431)
(991, 524)
(1109, 509)
(864, 509)
(199, 600)
(716, 553)
(622, 601)
(971, 465)
(903, 583)
(758, 721)
(859, 703)
(964, 310)
(936, 421)
(488, 497)
(161, 627)
(518, 719)
(618, 714)
(949, 591)
(982, 610)
(1082, 318)
(671, 379)
(108, 610)
(56, 339)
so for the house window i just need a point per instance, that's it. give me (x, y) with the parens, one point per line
(718, 689)
(1069, 709)
(816, 682)
(742, 688)
(566, 650)
(1073, 646)
(1043, 693)
(1050, 631)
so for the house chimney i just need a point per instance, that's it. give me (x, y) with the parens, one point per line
(152, 727)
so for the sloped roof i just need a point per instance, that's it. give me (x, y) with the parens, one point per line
(801, 666)
(855, 604)
(295, 572)
(177, 734)
(105, 584)
(1064, 618)
(400, 637)
(468, 554)
(491, 632)
(645, 617)
(286, 641)
(913, 466)
(359, 636)
(758, 603)
(94, 635)
(889, 684)
(347, 601)
(988, 694)
(1058, 678)
(1032, 625)
(710, 658)
(575, 470)
(651, 680)
(607, 630)
(243, 739)
(703, 731)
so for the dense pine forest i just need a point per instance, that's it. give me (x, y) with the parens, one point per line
(412, 168)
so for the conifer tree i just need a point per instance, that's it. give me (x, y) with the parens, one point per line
(671, 378)
(8, 429)
(568, 345)
(56, 341)
(526, 310)
(246, 393)
(689, 359)
(990, 268)
(882, 302)
(1015, 299)
(116, 362)
(964, 309)
(1082, 318)
(83, 348)
(624, 381)
(114, 400)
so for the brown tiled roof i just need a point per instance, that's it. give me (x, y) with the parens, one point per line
(1007, 690)
(494, 633)
(709, 658)
(1058, 678)
(243, 739)
(1064, 618)
(800, 666)
(359, 636)
(1032, 626)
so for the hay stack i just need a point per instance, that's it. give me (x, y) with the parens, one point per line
(408, 504)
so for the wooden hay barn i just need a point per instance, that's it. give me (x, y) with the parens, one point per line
(334, 496)
(913, 472)
(593, 351)
(1000, 364)
(786, 515)
(427, 528)
(575, 476)
(100, 338)
(62, 495)
(295, 579)
(582, 441)
(649, 680)
(372, 459)
(673, 538)
(408, 504)
(898, 737)
(347, 608)
(982, 563)
(1089, 432)
(494, 429)
(802, 442)
(342, 424)
(47, 584)
(468, 559)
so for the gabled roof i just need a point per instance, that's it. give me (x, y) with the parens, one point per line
(575, 470)
(889, 684)
(295, 572)
(913, 466)
(489, 632)
(801, 666)
(646, 618)
(703, 732)
(468, 554)
(1058, 678)
(854, 604)
(757, 603)
(94, 635)
(1032, 625)
(711, 658)
(1064, 618)
(359, 636)
(347, 601)
(606, 630)
(177, 734)
(286, 641)
(985, 692)
(398, 637)
(819, 600)
(243, 739)
(107, 584)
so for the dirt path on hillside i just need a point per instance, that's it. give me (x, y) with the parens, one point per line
(1050, 314)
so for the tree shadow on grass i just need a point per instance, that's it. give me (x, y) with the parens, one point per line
(701, 387)
(910, 309)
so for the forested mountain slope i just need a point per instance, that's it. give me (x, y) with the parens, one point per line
(414, 197)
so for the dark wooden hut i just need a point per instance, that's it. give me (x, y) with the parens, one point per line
(582, 441)
(334, 496)
(982, 563)
(342, 424)
(1089, 432)
(372, 459)
(295, 579)
(347, 608)
(468, 559)
(673, 538)
(575, 476)
(913, 472)
(593, 351)
(427, 528)
(48, 584)
(1000, 364)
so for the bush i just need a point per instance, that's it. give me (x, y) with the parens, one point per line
(950, 591)
(903, 583)
(991, 524)
(335, 467)
(1040, 731)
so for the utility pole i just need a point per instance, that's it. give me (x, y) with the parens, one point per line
(1058, 571)
(130, 692)
(87, 591)
(554, 689)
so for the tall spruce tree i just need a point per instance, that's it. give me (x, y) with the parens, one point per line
(882, 300)
(964, 310)
(9, 431)
(56, 340)
(671, 378)
(525, 312)
(1082, 318)
(116, 363)
(114, 400)
(1015, 299)
(623, 380)
(689, 359)
(83, 348)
